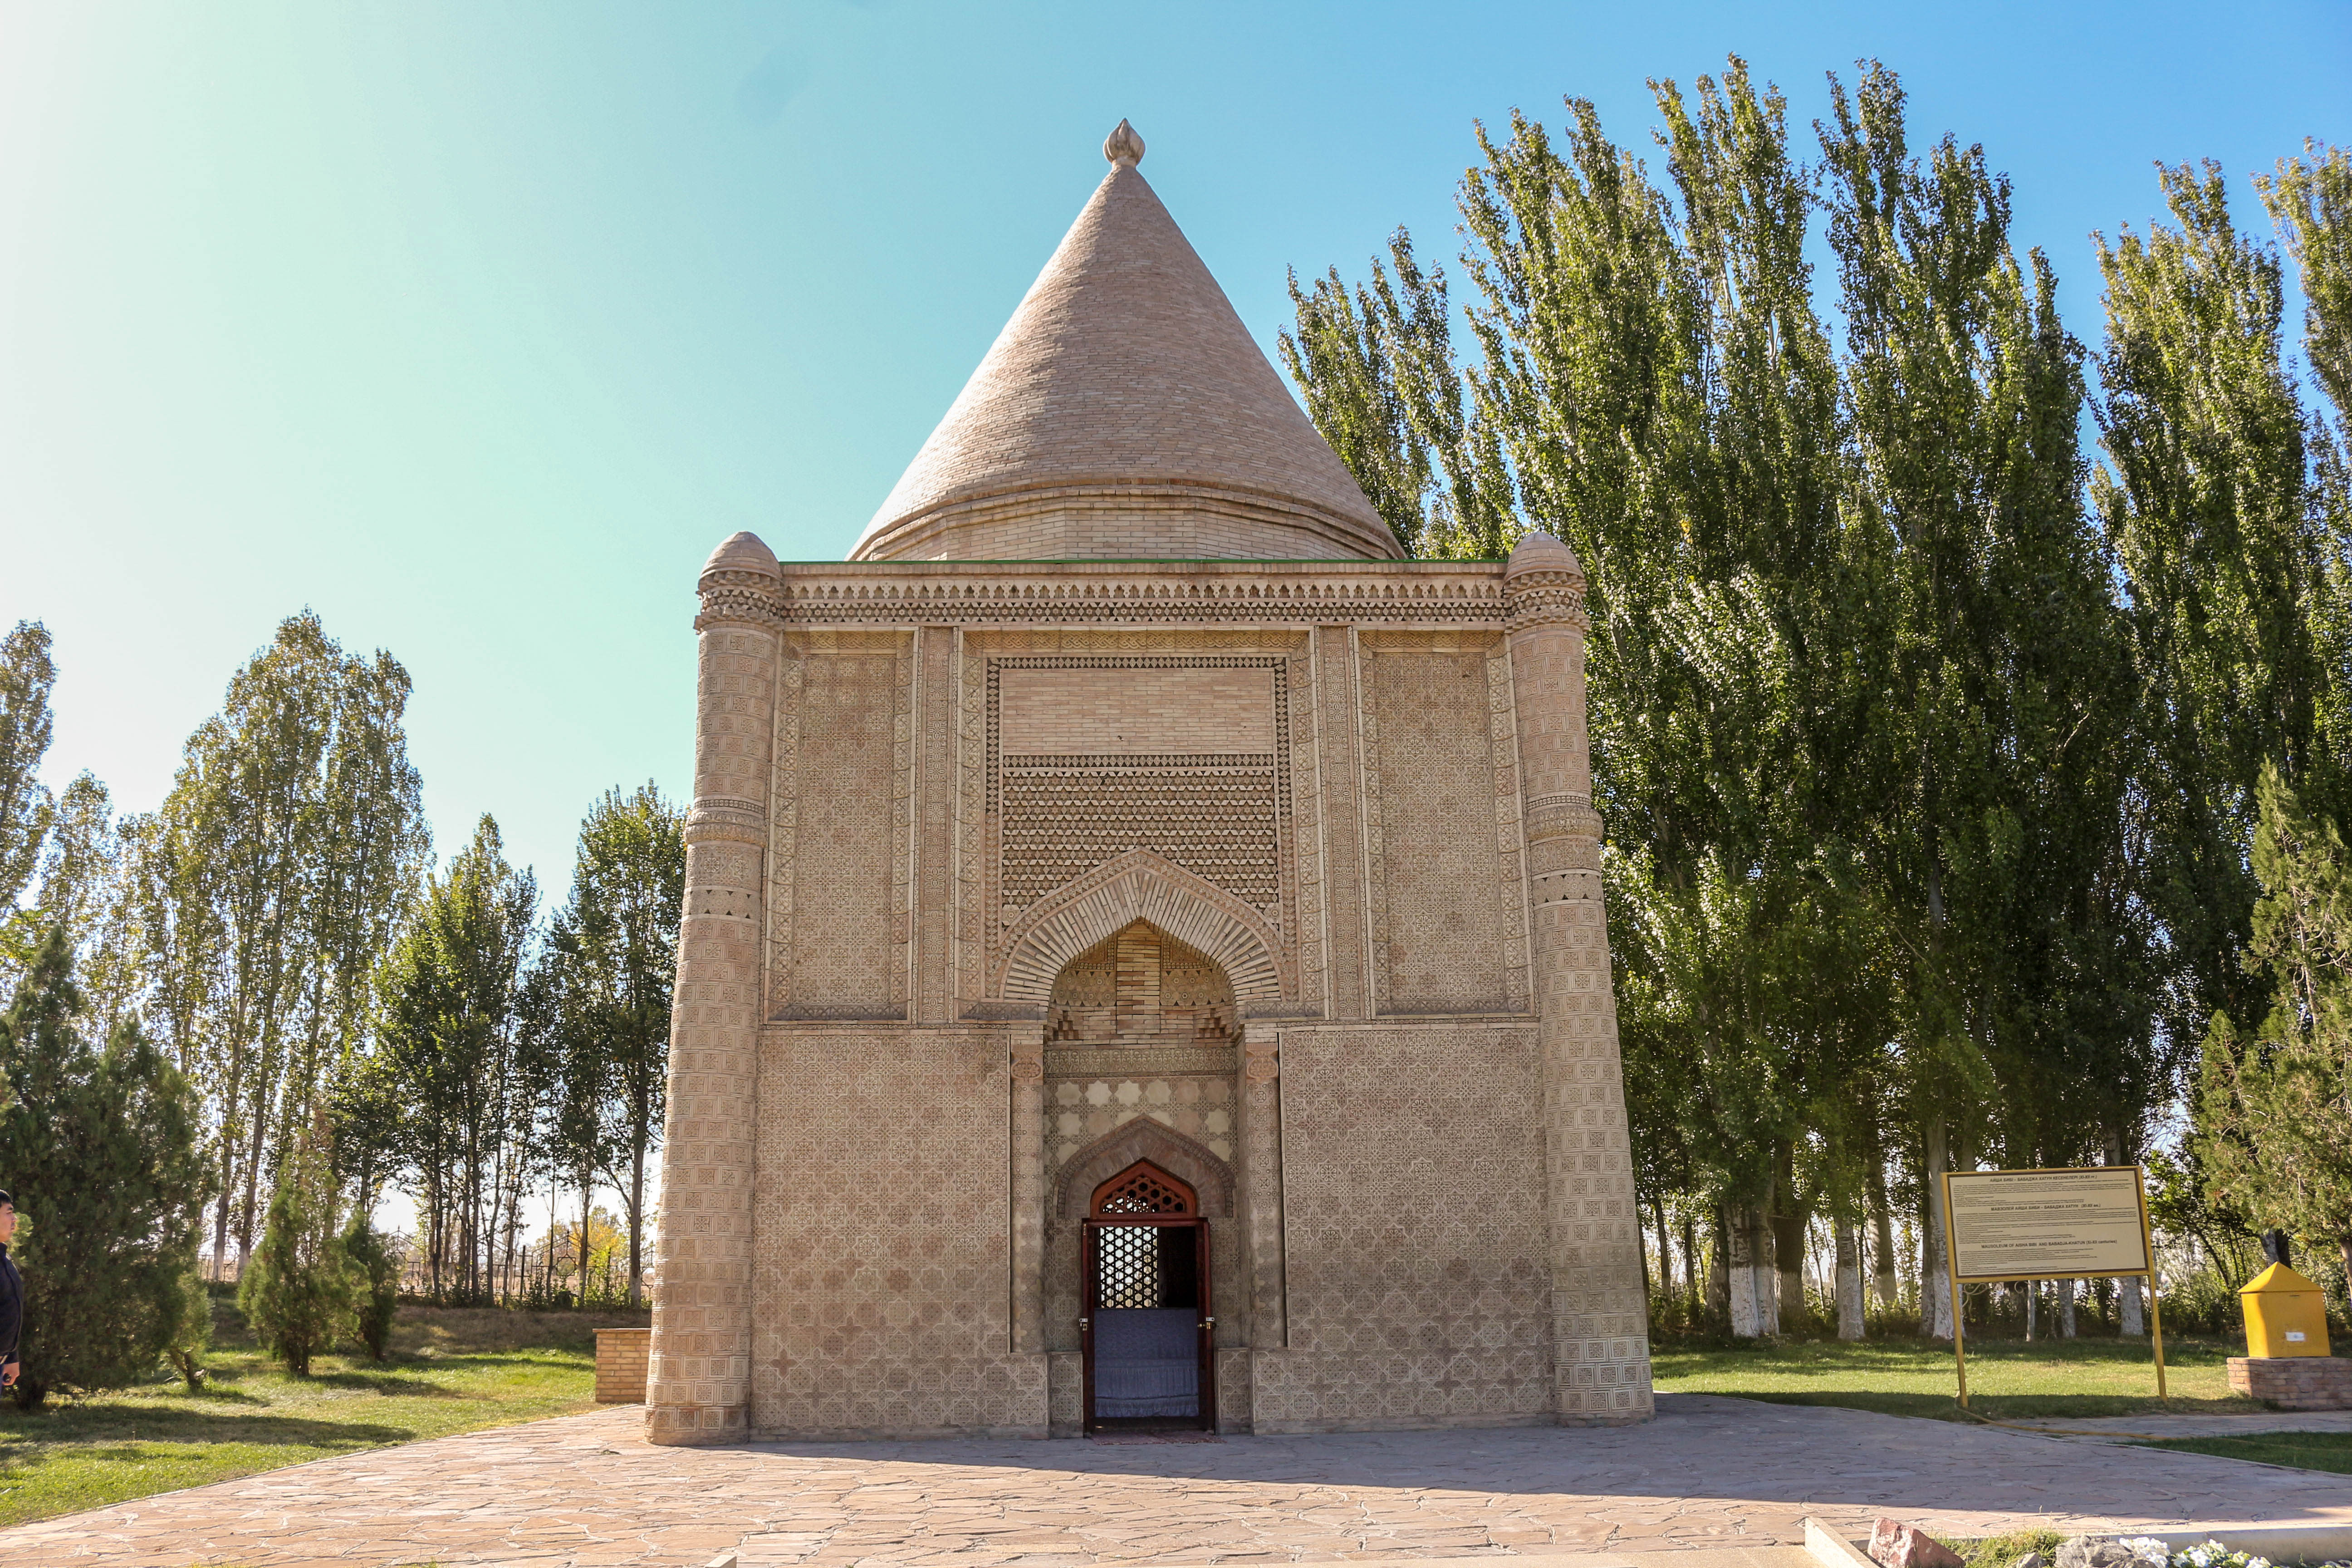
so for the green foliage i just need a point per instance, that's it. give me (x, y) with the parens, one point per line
(1854, 656)
(186, 1307)
(375, 1279)
(2276, 1103)
(298, 1290)
(267, 886)
(27, 677)
(2330, 1451)
(600, 1001)
(100, 1151)
(443, 1092)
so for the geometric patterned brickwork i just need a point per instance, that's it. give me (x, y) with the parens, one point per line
(1214, 815)
(1115, 782)
(1124, 697)
(1416, 1243)
(1447, 929)
(837, 896)
(881, 1230)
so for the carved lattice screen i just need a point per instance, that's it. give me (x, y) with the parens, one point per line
(1127, 1257)
(1144, 1188)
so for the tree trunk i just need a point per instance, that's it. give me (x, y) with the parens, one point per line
(1935, 1289)
(2131, 1307)
(1792, 1315)
(2130, 1322)
(1886, 1281)
(1718, 1279)
(638, 1225)
(1849, 1281)
(1739, 1295)
(1755, 1306)
(2067, 1308)
(1690, 1263)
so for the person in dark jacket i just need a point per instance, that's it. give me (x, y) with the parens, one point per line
(12, 1295)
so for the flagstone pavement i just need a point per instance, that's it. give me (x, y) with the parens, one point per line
(1708, 1473)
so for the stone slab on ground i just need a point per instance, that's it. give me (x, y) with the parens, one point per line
(1710, 1473)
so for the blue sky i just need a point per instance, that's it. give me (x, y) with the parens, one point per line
(475, 327)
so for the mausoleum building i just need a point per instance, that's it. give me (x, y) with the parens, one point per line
(1143, 962)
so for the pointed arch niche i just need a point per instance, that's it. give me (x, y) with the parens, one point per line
(1142, 886)
(1142, 1061)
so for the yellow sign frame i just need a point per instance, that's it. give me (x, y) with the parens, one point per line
(1955, 1278)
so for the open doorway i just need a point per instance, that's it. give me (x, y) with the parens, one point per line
(1147, 1327)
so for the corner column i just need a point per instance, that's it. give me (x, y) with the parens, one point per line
(1599, 1322)
(699, 1388)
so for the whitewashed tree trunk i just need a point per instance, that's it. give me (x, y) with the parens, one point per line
(1935, 1289)
(2033, 1307)
(2130, 1310)
(1746, 1323)
(1764, 1257)
(1848, 1281)
(2067, 1308)
(1888, 1286)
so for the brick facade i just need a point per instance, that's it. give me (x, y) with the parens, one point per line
(1280, 873)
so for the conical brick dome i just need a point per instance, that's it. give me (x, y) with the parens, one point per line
(1125, 412)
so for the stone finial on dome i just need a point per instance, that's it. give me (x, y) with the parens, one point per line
(1123, 145)
(742, 552)
(1541, 553)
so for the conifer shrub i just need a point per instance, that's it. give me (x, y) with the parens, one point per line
(375, 1285)
(186, 1309)
(100, 1151)
(298, 1291)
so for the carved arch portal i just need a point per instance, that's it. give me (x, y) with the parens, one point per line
(1142, 886)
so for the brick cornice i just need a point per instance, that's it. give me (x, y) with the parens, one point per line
(1450, 594)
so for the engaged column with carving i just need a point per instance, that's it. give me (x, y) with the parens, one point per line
(1600, 1330)
(699, 1388)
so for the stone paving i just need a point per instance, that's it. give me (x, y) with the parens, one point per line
(1709, 1473)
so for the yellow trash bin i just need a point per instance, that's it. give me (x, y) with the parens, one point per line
(2285, 1314)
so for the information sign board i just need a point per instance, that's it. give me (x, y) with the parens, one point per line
(2085, 1222)
(2047, 1225)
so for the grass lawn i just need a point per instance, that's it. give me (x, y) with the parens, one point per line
(2008, 1380)
(2299, 1450)
(451, 1370)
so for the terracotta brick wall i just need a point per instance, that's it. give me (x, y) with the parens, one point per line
(2294, 1383)
(621, 1357)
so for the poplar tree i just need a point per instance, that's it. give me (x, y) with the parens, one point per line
(1865, 715)
(2274, 1136)
(448, 1023)
(28, 675)
(604, 994)
(2204, 497)
(266, 887)
(1996, 662)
